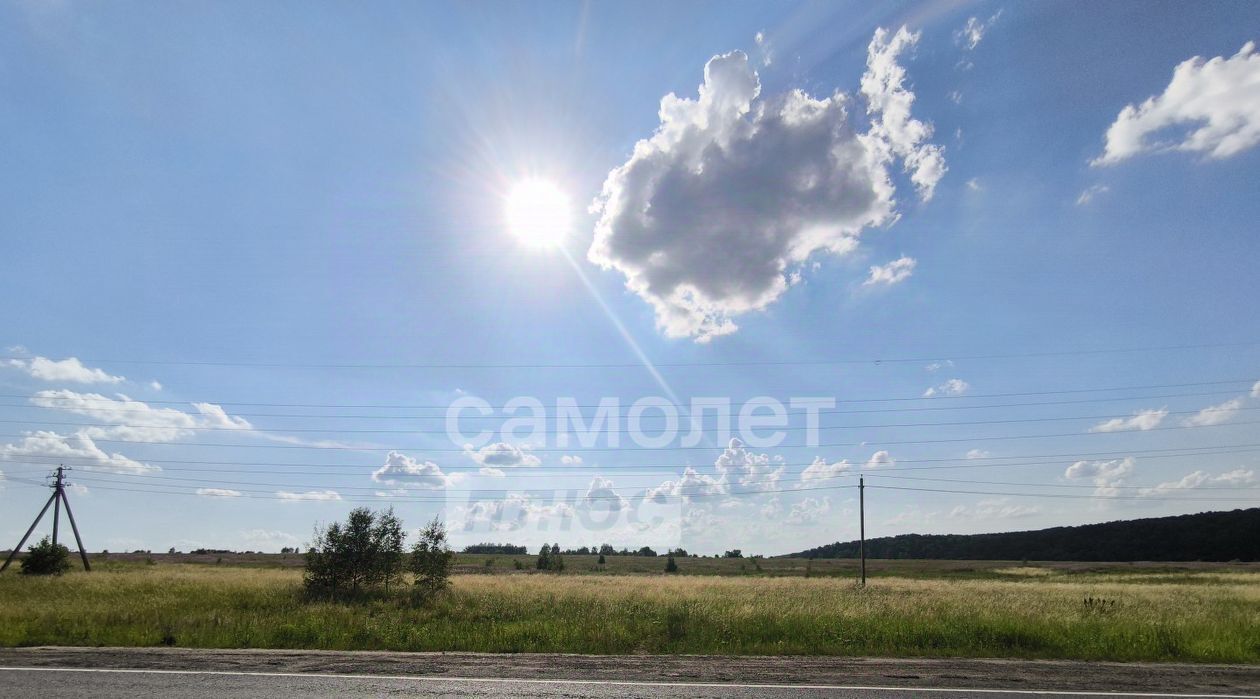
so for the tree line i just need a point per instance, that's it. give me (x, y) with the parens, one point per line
(1207, 536)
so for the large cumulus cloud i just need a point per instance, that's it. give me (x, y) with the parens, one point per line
(711, 215)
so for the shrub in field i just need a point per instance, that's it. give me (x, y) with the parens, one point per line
(670, 565)
(46, 558)
(601, 559)
(431, 561)
(363, 553)
(544, 557)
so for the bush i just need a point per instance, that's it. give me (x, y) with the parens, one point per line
(670, 565)
(431, 561)
(352, 558)
(46, 558)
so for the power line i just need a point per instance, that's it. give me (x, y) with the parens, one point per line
(556, 470)
(618, 365)
(830, 411)
(581, 449)
(322, 430)
(1245, 382)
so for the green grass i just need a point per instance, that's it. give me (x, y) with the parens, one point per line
(1188, 613)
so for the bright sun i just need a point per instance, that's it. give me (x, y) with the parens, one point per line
(538, 213)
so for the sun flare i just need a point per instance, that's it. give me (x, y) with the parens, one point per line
(538, 213)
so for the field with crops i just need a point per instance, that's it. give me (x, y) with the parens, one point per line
(1184, 612)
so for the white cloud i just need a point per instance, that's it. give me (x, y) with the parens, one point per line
(511, 513)
(972, 33)
(1214, 414)
(1106, 475)
(763, 47)
(977, 454)
(879, 459)
(953, 387)
(974, 185)
(491, 472)
(1210, 107)
(994, 508)
(600, 495)
(1255, 390)
(137, 421)
(502, 455)
(691, 485)
(269, 538)
(714, 213)
(1198, 479)
(898, 270)
(402, 470)
(219, 492)
(312, 495)
(938, 365)
(752, 471)
(888, 104)
(1140, 420)
(821, 470)
(155, 385)
(1090, 192)
(70, 369)
(808, 511)
(955, 96)
(79, 449)
(571, 460)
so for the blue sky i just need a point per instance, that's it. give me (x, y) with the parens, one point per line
(265, 207)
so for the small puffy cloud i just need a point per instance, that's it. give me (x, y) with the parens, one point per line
(491, 472)
(896, 271)
(820, 469)
(1255, 390)
(1198, 479)
(600, 495)
(940, 364)
(1141, 420)
(1106, 475)
(808, 511)
(218, 493)
(953, 387)
(1210, 107)
(79, 449)
(310, 495)
(714, 215)
(763, 47)
(691, 485)
(502, 455)
(977, 454)
(1214, 414)
(972, 33)
(1090, 192)
(752, 471)
(267, 538)
(155, 385)
(571, 460)
(880, 459)
(402, 470)
(510, 513)
(70, 369)
(995, 508)
(974, 185)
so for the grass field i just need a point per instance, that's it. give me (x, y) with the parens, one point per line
(1189, 612)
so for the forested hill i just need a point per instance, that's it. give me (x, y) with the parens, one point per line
(1208, 536)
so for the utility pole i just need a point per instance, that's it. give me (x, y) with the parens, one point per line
(58, 497)
(862, 524)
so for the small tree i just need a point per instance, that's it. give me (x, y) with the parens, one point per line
(46, 558)
(544, 557)
(670, 565)
(601, 559)
(364, 552)
(431, 561)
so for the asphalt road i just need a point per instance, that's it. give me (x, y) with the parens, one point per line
(177, 684)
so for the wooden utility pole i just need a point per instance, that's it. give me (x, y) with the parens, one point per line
(56, 500)
(862, 524)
